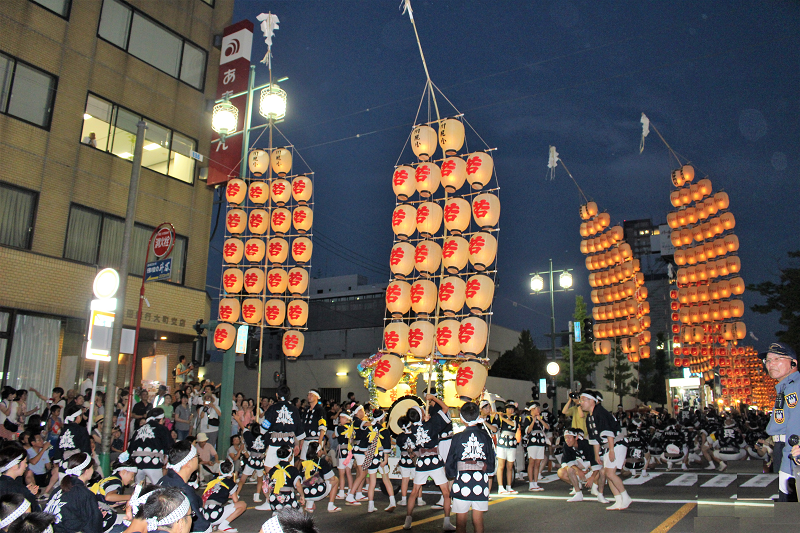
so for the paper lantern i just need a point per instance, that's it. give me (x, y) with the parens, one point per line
(688, 173)
(232, 251)
(479, 293)
(734, 264)
(229, 309)
(677, 178)
(482, 250)
(686, 196)
(644, 338)
(423, 297)
(297, 313)
(588, 210)
(675, 199)
(486, 210)
(452, 295)
(293, 342)
(254, 250)
(224, 336)
(429, 219)
(451, 397)
(427, 258)
(235, 191)
(277, 280)
(403, 183)
(232, 280)
(420, 338)
(428, 176)
(455, 253)
(472, 334)
(252, 310)
(480, 167)
(736, 286)
(401, 260)
(258, 162)
(388, 372)
(451, 135)
(254, 280)
(454, 174)
(456, 215)
(275, 312)
(301, 250)
(447, 338)
(601, 347)
(277, 250)
(280, 192)
(302, 219)
(470, 380)
(258, 192)
(737, 308)
(281, 159)
(722, 201)
(731, 241)
(395, 338)
(236, 221)
(298, 281)
(281, 221)
(398, 298)
(302, 189)
(423, 142)
(404, 221)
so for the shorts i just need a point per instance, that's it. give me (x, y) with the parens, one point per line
(508, 454)
(215, 512)
(738, 456)
(407, 472)
(359, 458)
(444, 448)
(620, 452)
(462, 506)
(271, 457)
(437, 474)
(535, 452)
(152, 475)
(249, 471)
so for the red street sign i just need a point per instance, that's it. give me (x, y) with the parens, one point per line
(163, 240)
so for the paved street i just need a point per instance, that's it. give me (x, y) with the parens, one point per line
(677, 501)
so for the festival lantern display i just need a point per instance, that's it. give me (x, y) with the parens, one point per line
(254, 280)
(452, 295)
(429, 219)
(479, 293)
(451, 135)
(302, 189)
(398, 298)
(232, 280)
(236, 221)
(232, 251)
(447, 341)
(236, 191)
(423, 297)
(277, 250)
(403, 183)
(281, 160)
(470, 380)
(302, 219)
(404, 221)
(275, 312)
(297, 312)
(280, 192)
(423, 141)
(229, 309)
(224, 336)
(254, 250)
(388, 372)
(454, 174)
(395, 338)
(298, 281)
(428, 177)
(427, 258)
(455, 253)
(480, 167)
(421, 334)
(277, 280)
(252, 310)
(486, 210)
(482, 250)
(281, 221)
(457, 212)
(301, 250)
(401, 260)
(472, 335)
(258, 192)
(258, 162)
(293, 342)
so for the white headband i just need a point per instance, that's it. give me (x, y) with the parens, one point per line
(379, 417)
(73, 416)
(475, 422)
(78, 470)
(16, 513)
(12, 464)
(418, 409)
(136, 500)
(315, 393)
(189, 456)
(126, 468)
(589, 396)
(272, 526)
(159, 417)
(174, 516)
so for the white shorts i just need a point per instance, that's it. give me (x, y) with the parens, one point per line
(359, 458)
(462, 506)
(444, 449)
(438, 476)
(226, 512)
(406, 472)
(620, 452)
(271, 457)
(535, 452)
(509, 454)
(248, 470)
(152, 475)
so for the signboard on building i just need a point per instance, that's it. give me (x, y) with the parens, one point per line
(158, 270)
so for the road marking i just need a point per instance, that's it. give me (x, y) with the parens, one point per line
(676, 517)
(641, 480)
(432, 518)
(684, 480)
(761, 480)
(722, 480)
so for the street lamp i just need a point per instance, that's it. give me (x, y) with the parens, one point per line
(537, 283)
(224, 118)
(537, 286)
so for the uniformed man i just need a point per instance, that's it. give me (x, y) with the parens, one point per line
(283, 427)
(315, 422)
(781, 363)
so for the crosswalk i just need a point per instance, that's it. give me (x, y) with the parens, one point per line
(705, 481)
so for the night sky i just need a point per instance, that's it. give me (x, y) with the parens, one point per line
(720, 81)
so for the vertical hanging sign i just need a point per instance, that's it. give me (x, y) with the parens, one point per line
(232, 78)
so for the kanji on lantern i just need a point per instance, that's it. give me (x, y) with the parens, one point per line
(254, 250)
(298, 280)
(395, 337)
(277, 280)
(402, 184)
(293, 342)
(232, 280)
(232, 251)
(258, 192)
(235, 191)
(235, 221)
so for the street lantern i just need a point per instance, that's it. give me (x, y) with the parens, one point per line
(565, 280)
(224, 118)
(272, 104)
(537, 283)
(553, 368)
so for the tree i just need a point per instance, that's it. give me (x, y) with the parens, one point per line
(584, 360)
(619, 375)
(653, 373)
(783, 297)
(524, 361)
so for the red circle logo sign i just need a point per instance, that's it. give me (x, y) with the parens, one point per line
(163, 241)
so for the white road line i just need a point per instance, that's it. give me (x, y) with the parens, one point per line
(761, 480)
(642, 480)
(590, 500)
(722, 480)
(684, 480)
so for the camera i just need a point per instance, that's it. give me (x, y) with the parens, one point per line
(574, 395)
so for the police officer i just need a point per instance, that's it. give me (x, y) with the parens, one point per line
(781, 363)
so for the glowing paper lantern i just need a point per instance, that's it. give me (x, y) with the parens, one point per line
(401, 260)
(281, 159)
(252, 310)
(427, 176)
(388, 372)
(423, 142)
(275, 312)
(403, 183)
(277, 280)
(455, 253)
(281, 221)
(470, 380)
(722, 201)
(454, 174)
(480, 167)
(297, 313)
(301, 250)
(258, 192)
(229, 309)
(395, 338)
(302, 219)
(254, 250)
(486, 210)
(457, 215)
(601, 347)
(482, 250)
(479, 293)
(293, 342)
(254, 279)
(451, 135)
(224, 336)
(447, 337)
(451, 397)
(398, 298)
(298, 281)
(277, 250)
(232, 251)
(427, 258)
(429, 219)
(232, 280)
(302, 189)
(258, 162)
(280, 192)
(236, 221)
(423, 297)
(452, 295)
(420, 338)
(235, 191)
(472, 334)
(588, 210)
(404, 221)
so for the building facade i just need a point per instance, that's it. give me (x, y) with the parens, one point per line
(77, 77)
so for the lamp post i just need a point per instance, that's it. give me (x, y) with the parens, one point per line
(537, 286)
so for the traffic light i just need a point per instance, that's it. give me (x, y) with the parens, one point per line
(199, 353)
(253, 351)
(535, 391)
(551, 391)
(588, 330)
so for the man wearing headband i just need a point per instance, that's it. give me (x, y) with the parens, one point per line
(360, 442)
(781, 363)
(578, 463)
(283, 426)
(182, 463)
(33, 523)
(12, 507)
(74, 437)
(73, 504)
(290, 521)
(13, 463)
(168, 511)
(148, 445)
(314, 421)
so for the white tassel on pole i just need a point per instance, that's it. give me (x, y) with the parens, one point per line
(552, 163)
(645, 131)
(405, 5)
(269, 23)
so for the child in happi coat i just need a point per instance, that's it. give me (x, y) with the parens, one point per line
(318, 478)
(285, 483)
(470, 460)
(377, 458)
(109, 490)
(405, 441)
(215, 500)
(345, 432)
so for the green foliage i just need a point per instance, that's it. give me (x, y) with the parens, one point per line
(524, 361)
(584, 360)
(619, 375)
(652, 374)
(783, 297)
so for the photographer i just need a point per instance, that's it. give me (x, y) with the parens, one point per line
(182, 370)
(573, 410)
(209, 417)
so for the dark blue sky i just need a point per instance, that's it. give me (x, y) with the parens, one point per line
(720, 80)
